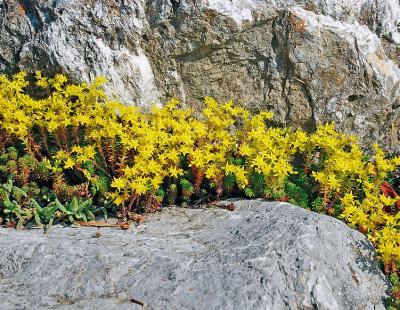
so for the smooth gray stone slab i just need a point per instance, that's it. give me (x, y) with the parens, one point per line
(263, 255)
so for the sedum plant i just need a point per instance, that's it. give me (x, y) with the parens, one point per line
(12, 200)
(84, 147)
(46, 214)
(76, 211)
(73, 211)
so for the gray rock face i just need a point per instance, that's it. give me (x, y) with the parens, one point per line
(261, 256)
(309, 61)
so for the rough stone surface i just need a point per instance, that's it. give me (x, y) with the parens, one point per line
(310, 61)
(263, 255)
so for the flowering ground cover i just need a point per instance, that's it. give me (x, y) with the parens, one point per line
(69, 152)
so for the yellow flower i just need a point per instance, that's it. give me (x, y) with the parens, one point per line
(119, 183)
(89, 152)
(266, 115)
(333, 183)
(77, 149)
(139, 186)
(245, 150)
(258, 162)
(174, 171)
(82, 119)
(69, 163)
(119, 200)
(211, 171)
(156, 181)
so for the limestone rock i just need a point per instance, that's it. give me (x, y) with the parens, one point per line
(263, 255)
(309, 61)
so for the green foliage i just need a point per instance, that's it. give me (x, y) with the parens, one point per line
(12, 203)
(393, 302)
(72, 211)
(394, 279)
(25, 167)
(186, 186)
(187, 190)
(100, 185)
(160, 194)
(229, 183)
(172, 194)
(248, 192)
(258, 187)
(46, 214)
(76, 211)
(296, 194)
(318, 205)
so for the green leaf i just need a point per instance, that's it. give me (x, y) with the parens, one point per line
(85, 204)
(83, 216)
(74, 204)
(26, 213)
(62, 208)
(9, 205)
(53, 209)
(90, 215)
(17, 211)
(105, 214)
(6, 188)
(36, 205)
(37, 219)
(10, 182)
(17, 191)
(20, 223)
(248, 192)
(48, 226)
(72, 220)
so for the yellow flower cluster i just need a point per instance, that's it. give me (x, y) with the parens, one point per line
(147, 147)
(345, 172)
(78, 128)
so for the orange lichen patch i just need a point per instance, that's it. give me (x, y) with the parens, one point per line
(378, 62)
(20, 9)
(297, 24)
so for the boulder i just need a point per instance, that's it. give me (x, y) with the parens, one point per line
(309, 61)
(263, 255)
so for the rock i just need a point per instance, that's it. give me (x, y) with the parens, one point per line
(83, 39)
(309, 61)
(263, 255)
